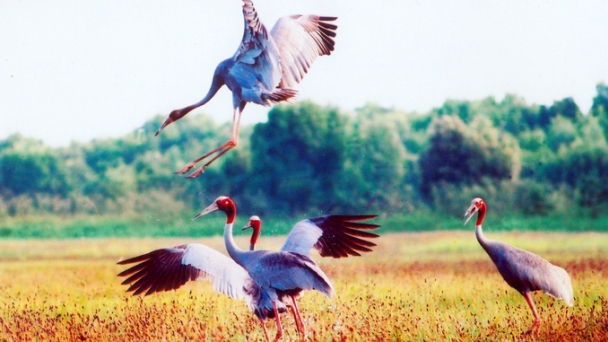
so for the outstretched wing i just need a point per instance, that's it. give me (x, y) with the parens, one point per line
(300, 39)
(257, 55)
(336, 236)
(169, 268)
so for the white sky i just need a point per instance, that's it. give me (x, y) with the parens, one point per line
(78, 70)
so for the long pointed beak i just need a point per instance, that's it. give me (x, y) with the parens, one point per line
(165, 124)
(213, 207)
(247, 226)
(469, 213)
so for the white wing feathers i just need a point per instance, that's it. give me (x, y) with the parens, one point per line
(300, 40)
(169, 268)
(338, 236)
(303, 236)
(227, 276)
(282, 58)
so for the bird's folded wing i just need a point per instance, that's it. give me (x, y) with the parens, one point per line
(300, 39)
(334, 235)
(169, 268)
(288, 271)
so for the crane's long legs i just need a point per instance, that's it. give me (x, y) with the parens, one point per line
(264, 328)
(293, 312)
(225, 147)
(536, 324)
(279, 327)
(298, 317)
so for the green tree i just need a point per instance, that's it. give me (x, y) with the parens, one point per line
(457, 155)
(375, 170)
(28, 167)
(297, 158)
(599, 108)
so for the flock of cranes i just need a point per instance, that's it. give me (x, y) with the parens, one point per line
(270, 282)
(264, 70)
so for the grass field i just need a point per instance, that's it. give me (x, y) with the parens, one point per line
(181, 224)
(415, 286)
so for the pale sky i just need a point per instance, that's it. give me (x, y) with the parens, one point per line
(78, 70)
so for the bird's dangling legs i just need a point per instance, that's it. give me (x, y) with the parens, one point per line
(279, 327)
(265, 331)
(225, 147)
(298, 317)
(293, 312)
(536, 324)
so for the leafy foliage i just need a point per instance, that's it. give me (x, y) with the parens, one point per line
(309, 160)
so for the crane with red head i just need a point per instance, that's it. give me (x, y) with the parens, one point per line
(264, 70)
(524, 271)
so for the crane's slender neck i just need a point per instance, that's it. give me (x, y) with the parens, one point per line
(234, 251)
(216, 84)
(256, 226)
(483, 241)
(237, 254)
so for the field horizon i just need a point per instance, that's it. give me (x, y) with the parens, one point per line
(182, 226)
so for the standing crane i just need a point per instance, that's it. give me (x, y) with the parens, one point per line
(524, 271)
(265, 279)
(265, 68)
(304, 236)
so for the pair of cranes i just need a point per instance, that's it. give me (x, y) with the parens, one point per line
(264, 70)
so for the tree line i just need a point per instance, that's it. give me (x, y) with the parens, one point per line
(309, 159)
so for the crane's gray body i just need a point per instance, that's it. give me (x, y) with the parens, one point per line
(527, 272)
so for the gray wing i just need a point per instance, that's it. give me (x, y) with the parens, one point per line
(524, 270)
(336, 236)
(300, 39)
(257, 53)
(286, 271)
(169, 268)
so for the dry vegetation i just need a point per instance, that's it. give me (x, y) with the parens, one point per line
(428, 286)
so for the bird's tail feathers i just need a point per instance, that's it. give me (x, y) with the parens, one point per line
(563, 288)
(281, 95)
(322, 282)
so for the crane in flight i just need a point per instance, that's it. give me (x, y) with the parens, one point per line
(524, 271)
(265, 68)
(269, 281)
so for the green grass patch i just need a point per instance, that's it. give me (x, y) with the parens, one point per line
(55, 227)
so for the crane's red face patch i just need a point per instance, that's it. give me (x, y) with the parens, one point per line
(226, 205)
(477, 205)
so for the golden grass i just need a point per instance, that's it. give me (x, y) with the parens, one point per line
(424, 286)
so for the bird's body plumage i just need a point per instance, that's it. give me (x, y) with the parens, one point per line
(289, 273)
(265, 67)
(528, 272)
(524, 271)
